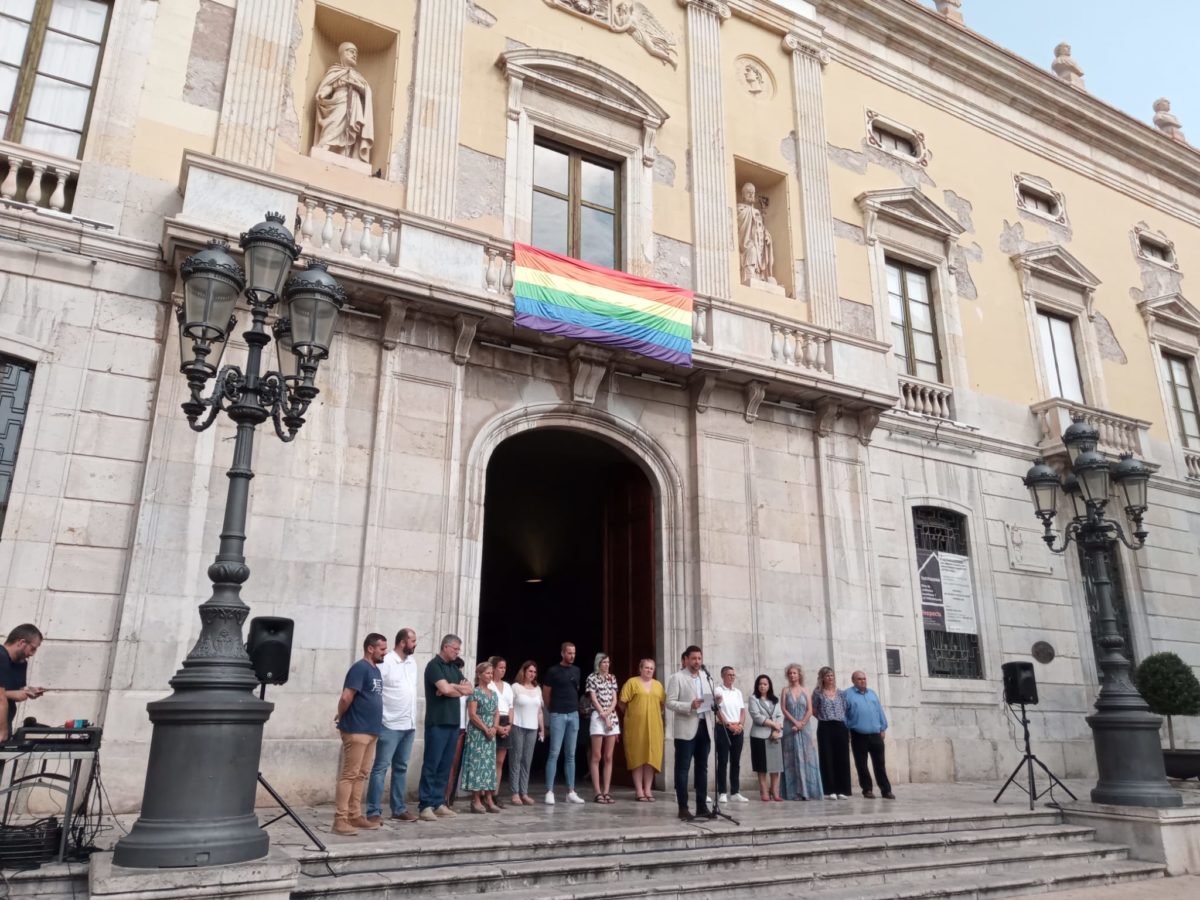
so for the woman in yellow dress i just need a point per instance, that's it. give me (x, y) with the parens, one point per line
(642, 698)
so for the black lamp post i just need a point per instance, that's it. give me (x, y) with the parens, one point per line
(1125, 732)
(198, 805)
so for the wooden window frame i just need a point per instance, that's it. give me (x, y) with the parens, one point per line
(39, 25)
(574, 196)
(1174, 388)
(909, 351)
(1056, 374)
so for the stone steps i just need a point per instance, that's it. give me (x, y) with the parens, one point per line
(996, 861)
(508, 847)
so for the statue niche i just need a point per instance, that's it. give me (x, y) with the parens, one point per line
(756, 246)
(345, 122)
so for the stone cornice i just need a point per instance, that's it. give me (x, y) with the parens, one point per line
(767, 14)
(57, 232)
(971, 60)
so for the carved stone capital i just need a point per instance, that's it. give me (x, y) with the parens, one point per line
(827, 413)
(394, 312)
(867, 420)
(755, 392)
(718, 8)
(794, 42)
(466, 326)
(588, 368)
(702, 383)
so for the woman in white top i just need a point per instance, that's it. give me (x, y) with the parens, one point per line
(528, 727)
(504, 700)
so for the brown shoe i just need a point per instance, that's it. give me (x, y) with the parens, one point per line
(344, 828)
(405, 816)
(375, 820)
(360, 822)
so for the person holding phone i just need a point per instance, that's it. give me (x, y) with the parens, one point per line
(22, 643)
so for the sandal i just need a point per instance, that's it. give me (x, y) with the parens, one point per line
(608, 799)
(644, 799)
(477, 809)
(599, 798)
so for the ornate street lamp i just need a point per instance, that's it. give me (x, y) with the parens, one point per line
(201, 780)
(1124, 731)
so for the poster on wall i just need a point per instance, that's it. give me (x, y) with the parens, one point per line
(947, 601)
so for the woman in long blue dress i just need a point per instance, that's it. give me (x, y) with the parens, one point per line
(801, 763)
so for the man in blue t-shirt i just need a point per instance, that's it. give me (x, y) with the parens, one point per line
(20, 646)
(359, 719)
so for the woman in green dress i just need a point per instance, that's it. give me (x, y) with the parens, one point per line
(479, 754)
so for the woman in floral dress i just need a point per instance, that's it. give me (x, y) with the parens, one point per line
(801, 763)
(479, 754)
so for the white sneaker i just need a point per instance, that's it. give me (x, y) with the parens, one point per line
(740, 799)
(549, 801)
(708, 800)
(723, 798)
(844, 797)
(831, 796)
(574, 798)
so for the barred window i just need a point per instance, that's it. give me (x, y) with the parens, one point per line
(16, 378)
(948, 654)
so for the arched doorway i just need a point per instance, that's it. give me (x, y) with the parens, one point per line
(569, 554)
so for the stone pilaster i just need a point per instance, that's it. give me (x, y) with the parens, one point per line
(710, 189)
(437, 93)
(259, 67)
(812, 170)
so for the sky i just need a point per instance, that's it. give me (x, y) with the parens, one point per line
(1131, 53)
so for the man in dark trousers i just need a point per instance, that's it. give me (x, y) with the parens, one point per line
(22, 643)
(867, 724)
(359, 719)
(690, 698)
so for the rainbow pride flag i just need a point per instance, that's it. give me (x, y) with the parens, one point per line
(560, 295)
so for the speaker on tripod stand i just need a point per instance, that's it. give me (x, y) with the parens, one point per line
(1020, 689)
(269, 646)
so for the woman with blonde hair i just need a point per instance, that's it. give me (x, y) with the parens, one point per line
(601, 690)
(642, 698)
(801, 770)
(833, 738)
(479, 752)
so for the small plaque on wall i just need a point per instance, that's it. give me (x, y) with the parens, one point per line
(1026, 551)
(893, 661)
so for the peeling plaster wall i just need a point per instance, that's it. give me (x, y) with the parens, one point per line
(209, 57)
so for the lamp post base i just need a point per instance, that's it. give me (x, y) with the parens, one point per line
(1130, 761)
(201, 781)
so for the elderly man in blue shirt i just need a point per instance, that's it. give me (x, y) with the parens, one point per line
(868, 725)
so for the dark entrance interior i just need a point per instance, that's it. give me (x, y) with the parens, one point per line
(568, 555)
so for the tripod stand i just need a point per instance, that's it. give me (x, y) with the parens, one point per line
(1027, 761)
(287, 810)
(715, 809)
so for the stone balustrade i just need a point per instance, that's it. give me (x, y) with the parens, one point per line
(36, 178)
(926, 398)
(1118, 434)
(801, 346)
(1191, 461)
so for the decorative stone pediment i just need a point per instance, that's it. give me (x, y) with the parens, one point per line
(629, 17)
(908, 208)
(1171, 312)
(1048, 268)
(582, 83)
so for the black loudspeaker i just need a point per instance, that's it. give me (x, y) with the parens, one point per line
(270, 648)
(1020, 685)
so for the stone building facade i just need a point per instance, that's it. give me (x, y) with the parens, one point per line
(967, 250)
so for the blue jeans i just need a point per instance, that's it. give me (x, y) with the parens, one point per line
(435, 767)
(393, 750)
(564, 731)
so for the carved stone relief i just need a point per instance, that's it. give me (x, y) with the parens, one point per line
(629, 17)
(755, 77)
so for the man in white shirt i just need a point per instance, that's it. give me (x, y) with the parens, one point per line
(690, 698)
(731, 718)
(399, 671)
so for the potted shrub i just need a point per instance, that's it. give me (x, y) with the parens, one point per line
(1171, 689)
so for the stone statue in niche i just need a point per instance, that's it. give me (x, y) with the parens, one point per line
(755, 243)
(1166, 121)
(345, 125)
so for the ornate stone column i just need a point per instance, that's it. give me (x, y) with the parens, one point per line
(437, 95)
(710, 190)
(812, 171)
(259, 66)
